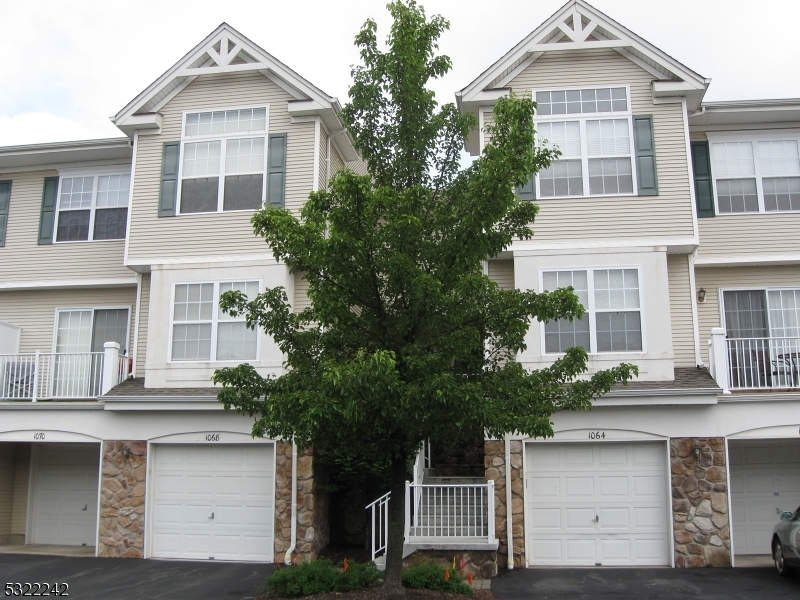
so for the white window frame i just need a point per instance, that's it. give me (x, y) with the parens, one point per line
(214, 322)
(582, 118)
(765, 288)
(94, 309)
(96, 173)
(222, 138)
(753, 138)
(591, 311)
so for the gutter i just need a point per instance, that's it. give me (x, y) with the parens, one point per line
(509, 511)
(287, 558)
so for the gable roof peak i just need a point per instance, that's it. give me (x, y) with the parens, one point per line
(578, 25)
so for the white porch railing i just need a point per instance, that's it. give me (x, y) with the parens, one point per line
(449, 513)
(379, 511)
(61, 376)
(754, 363)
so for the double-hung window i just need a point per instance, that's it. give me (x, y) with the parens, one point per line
(202, 332)
(593, 129)
(613, 318)
(758, 174)
(223, 160)
(93, 207)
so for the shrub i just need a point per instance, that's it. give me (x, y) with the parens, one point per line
(430, 576)
(320, 577)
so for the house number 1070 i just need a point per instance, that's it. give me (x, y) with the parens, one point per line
(597, 435)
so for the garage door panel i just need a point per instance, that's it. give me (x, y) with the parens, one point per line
(625, 485)
(613, 486)
(234, 483)
(65, 493)
(764, 480)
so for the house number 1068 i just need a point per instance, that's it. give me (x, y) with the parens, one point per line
(212, 437)
(597, 435)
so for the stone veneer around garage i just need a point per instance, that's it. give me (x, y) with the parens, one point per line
(312, 505)
(700, 502)
(122, 494)
(495, 464)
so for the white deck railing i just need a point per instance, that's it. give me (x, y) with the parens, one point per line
(61, 375)
(754, 363)
(449, 513)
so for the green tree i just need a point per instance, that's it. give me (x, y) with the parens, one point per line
(406, 339)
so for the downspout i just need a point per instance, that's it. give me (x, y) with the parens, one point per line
(509, 524)
(287, 559)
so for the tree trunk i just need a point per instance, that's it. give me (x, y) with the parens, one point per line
(392, 583)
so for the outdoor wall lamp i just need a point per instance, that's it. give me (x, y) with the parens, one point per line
(696, 452)
(126, 452)
(701, 295)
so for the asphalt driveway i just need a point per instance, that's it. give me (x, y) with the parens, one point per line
(648, 584)
(92, 578)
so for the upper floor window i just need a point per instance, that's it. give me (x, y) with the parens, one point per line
(223, 160)
(202, 332)
(593, 128)
(93, 207)
(613, 318)
(756, 174)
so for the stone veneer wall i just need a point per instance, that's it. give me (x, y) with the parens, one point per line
(312, 505)
(495, 464)
(122, 493)
(700, 503)
(481, 563)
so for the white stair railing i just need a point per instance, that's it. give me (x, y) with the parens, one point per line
(754, 363)
(450, 513)
(379, 513)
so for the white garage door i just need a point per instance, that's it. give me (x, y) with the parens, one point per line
(597, 504)
(65, 495)
(765, 480)
(213, 502)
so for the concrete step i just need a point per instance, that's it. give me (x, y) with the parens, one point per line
(430, 479)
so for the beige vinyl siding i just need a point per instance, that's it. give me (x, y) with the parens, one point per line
(323, 160)
(502, 273)
(301, 299)
(680, 309)
(19, 508)
(715, 278)
(24, 260)
(35, 310)
(668, 215)
(144, 319)
(358, 166)
(745, 235)
(337, 164)
(488, 120)
(207, 234)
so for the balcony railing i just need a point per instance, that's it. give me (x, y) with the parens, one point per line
(754, 363)
(39, 376)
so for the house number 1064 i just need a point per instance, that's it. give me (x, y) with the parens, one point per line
(597, 435)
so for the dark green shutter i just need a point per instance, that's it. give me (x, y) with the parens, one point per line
(5, 200)
(703, 189)
(527, 191)
(645, 155)
(47, 220)
(276, 170)
(170, 159)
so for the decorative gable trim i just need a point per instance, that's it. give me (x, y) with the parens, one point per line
(579, 26)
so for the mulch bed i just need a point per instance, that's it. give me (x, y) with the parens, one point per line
(377, 594)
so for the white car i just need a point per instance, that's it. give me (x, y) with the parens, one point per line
(786, 542)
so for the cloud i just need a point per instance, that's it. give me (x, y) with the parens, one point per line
(39, 127)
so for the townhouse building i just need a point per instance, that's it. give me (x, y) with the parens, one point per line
(675, 220)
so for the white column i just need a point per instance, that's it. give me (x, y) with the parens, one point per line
(490, 509)
(720, 351)
(408, 513)
(110, 367)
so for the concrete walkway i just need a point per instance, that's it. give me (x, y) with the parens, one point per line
(92, 578)
(648, 584)
(48, 549)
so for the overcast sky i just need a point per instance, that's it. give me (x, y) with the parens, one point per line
(69, 65)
